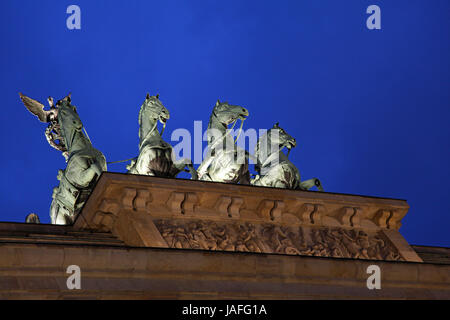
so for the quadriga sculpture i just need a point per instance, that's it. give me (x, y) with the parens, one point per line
(223, 163)
(155, 155)
(273, 166)
(84, 163)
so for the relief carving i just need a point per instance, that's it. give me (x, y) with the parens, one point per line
(271, 238)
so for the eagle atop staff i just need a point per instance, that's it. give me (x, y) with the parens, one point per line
(53, 131)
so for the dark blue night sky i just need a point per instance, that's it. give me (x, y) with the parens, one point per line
(370, 109)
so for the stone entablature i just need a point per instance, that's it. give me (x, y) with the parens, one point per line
(148, 211)
(38, 271)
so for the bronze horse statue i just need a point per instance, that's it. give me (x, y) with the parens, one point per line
(225, 162)
(273, 166)
(84, 163)
(156, 156)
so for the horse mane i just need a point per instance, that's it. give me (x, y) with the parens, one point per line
(141, 114)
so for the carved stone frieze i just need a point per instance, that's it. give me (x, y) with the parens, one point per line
(157, 212)
(273, 238)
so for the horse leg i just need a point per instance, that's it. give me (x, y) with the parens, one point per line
(192, 171)
(95, 169)
(245, 178)
(308, 184)
(142, 164)
(183, 163)
(202, 170)
(245, 173)
(58, 214)
(131, 167)
(280, 184)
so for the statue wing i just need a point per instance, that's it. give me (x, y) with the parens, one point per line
(35, 107)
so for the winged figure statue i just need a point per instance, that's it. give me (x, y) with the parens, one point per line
(84, 163)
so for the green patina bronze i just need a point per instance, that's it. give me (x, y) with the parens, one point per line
(156, 156)
(84, 163)
(225, 162)
(273, 166)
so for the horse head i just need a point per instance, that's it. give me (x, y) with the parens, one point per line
(271, 143)
(226, 113)
(156, 156)
(278, 136)
(69, 122)
(223, 115)
(152, 111)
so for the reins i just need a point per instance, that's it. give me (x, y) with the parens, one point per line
(140, 144)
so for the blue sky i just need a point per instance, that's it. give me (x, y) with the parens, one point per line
(370, 109)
